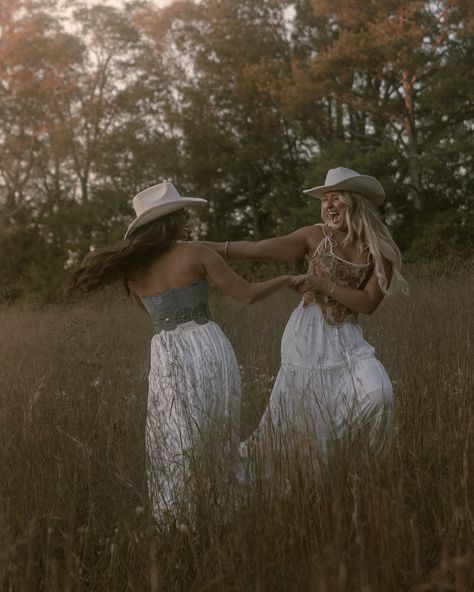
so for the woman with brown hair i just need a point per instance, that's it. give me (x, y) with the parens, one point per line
(194, 381)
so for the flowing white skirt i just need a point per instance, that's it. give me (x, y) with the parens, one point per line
(193, 414)
(330, 386)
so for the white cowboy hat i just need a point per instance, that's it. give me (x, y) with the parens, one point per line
(157, 201)
(342, 179)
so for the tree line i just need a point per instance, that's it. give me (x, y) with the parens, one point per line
(244, 102)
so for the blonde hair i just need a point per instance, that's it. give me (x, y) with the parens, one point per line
(365, 227)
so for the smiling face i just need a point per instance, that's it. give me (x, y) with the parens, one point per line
(334, 210)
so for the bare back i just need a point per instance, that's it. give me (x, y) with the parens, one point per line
(178, 267)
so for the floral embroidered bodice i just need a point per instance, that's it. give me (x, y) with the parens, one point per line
(324, 263)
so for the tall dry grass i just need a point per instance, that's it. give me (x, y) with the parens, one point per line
(74, 513)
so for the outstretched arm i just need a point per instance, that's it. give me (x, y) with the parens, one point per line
(235, 285)
(365, 301)
(280, 248)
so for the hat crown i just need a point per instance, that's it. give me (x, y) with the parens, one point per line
(158, 201)
(154, 196)
(339, 174)
(342, 179)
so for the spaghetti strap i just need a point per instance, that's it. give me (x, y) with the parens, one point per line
(370, 259)
(324, 242)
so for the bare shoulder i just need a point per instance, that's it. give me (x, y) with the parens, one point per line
(197, 251)
(191, 247)
(313, 235)
(314, 230)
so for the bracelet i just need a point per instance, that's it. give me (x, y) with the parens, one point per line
(332, 289)
(226, 250)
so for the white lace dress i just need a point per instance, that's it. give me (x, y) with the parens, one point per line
(330, 384)
(192, 424)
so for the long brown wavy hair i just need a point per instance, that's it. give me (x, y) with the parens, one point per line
(102, 267)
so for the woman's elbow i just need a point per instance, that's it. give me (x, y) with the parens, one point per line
(370, 307)
(245, 297)
(249, 298)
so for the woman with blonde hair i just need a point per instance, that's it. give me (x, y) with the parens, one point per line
(194, 381)
(330, 384)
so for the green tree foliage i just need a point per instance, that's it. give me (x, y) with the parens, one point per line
(228, 63)
(240, 101)
(370, 73)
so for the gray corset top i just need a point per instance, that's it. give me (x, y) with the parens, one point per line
(179, 305)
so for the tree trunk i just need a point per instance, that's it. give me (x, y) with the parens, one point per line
(414, 171)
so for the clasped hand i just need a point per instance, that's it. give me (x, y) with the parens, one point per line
(306, 283)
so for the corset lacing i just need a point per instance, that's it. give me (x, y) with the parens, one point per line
(325, 263)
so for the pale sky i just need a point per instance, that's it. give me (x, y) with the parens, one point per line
(119, 3)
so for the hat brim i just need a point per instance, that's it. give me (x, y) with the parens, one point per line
(363, 184)
(162, 210)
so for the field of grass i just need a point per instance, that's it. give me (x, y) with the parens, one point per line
(74, 514)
